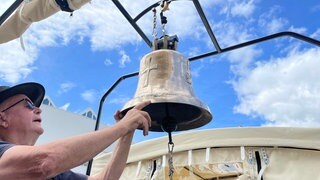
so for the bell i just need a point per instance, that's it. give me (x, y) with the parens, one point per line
(165, 80)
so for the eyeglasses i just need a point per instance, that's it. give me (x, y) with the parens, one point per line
(29, 104)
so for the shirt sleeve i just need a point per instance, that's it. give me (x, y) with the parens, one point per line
(69, 175)
(4, 146)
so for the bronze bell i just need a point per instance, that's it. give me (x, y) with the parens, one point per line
(165, 79)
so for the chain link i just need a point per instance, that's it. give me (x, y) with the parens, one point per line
(164, 29)
(170, 160)
(154, 29)
(164, 7)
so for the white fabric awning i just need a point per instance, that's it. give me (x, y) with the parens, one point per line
(285, 153)
(29, 12)
(308, 138)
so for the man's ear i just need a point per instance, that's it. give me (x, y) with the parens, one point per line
(3, 120)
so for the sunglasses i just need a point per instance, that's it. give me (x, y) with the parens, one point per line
(29, 104)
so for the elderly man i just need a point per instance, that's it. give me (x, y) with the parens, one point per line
(20, 127)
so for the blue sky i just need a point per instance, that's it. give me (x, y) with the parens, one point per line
(275, 83)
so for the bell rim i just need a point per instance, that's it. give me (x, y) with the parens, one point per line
(205, 118)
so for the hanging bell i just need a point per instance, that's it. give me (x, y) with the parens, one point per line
(165, 80)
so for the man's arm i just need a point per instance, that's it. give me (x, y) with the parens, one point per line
(45, 161)
(117, 163)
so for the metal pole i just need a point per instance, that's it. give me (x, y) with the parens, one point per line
(10, 10)
(132, 22)
(101, 105)
(207, 25)
(255, 41)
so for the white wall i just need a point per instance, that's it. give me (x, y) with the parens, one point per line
(58, 123)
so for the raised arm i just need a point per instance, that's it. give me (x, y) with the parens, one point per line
(45, 161)
(117, 163)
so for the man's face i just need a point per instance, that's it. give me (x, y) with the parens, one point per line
(23, 117)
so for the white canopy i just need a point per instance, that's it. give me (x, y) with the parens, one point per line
(29, 12)
(234, 153)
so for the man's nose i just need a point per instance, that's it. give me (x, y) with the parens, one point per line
(37, 110)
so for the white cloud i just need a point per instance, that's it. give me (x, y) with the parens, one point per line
(316, 34)
(193, 51)
(120, 100)
(99, 22)
(233, 34)
(208, 3)
(237, 8)
(125, 59)
(5, 4)
(285, 91)
(242, 58)
(195, 72)
(89, 95)
(270, 22)
(300, 30)
(65, 106)
(107, 62)
(183, 20)
(275, 25)
(109, 29)
(272, 25)
(244, 8)
(15, 63)
(65, 87)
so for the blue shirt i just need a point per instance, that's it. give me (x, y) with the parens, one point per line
(68, 175)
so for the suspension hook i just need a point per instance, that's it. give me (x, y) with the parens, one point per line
(165, 5)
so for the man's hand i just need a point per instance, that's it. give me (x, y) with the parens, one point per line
(117, 116)
(136, 118)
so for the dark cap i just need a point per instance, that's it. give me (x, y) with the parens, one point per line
(34, 91)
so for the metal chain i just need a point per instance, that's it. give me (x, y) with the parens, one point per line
(164, 29)
(265, 156)
(154, 29)
(170, 160)
(164, 7)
